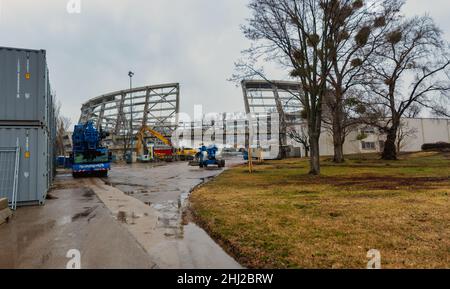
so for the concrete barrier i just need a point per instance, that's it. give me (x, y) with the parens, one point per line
(3, 203)
(5, 214)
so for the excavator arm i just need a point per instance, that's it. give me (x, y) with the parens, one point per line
(141, 135)
(158, 136)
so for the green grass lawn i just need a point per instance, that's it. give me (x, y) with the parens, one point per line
(280, 217)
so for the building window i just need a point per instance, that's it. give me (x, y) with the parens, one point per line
(368, 146)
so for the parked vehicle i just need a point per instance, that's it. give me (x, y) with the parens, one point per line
(89, 156)
(207, 156)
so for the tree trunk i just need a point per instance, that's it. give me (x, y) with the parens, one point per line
(338, 152)
(306, 151)
(390, 148)
(282, 152)
(338, 131)
(337, 141)
(315, 155)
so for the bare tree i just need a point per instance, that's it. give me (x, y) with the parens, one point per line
(300, 137)
(63, 124)
(409, 69)
(296, 35)
(340, 119)
(127, 140)
(356, 28)
(439, 107)
(404, 135)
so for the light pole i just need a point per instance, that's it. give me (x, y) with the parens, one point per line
(131, 74)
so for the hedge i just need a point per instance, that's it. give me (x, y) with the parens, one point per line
(440, 146)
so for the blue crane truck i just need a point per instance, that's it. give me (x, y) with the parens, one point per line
(89, 157)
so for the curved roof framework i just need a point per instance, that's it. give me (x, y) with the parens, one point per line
(262, 98)
(265, 97)
(156, 106)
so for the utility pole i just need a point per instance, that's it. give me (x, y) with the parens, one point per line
(131, 74)
(130, 144)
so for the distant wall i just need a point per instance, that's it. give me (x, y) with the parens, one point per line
(419, 131)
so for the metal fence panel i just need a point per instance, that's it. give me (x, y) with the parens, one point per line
(7, 159)
(9, 170)
(35, 164)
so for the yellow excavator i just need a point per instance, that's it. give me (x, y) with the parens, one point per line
(186, 154)
(146, 153)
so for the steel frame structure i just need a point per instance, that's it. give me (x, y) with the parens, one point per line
(262, 98)
(227, 129)
(156, 106)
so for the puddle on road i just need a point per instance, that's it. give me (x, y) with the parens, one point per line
(195, 248)
(167, 190)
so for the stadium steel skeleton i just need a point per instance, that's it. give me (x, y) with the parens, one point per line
(156, 106)
(263, 98)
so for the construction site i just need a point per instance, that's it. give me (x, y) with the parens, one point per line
(136, 183)
(129, 168)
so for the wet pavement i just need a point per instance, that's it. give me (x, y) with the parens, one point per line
(133, 219)
(164, 190)
(40, 237)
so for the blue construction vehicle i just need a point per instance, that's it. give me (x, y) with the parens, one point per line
(207, 156)
(89, 157)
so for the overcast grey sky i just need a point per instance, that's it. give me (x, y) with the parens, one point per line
(193, 42)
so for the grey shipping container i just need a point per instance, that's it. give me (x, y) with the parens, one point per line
(25, 96)
(35, 163)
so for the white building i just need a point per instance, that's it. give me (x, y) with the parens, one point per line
(415, 133)
(283, 97)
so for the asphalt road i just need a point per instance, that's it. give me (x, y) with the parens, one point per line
(133, 219)
(40, 237)
(165, 189)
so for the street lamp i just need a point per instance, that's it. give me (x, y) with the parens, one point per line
(131, 74)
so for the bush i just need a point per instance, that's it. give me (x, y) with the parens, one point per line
(439, 146)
